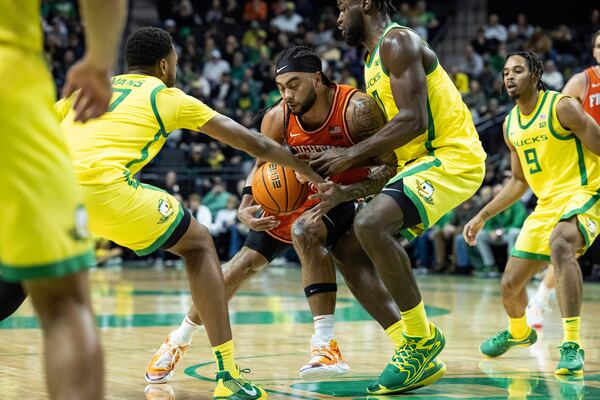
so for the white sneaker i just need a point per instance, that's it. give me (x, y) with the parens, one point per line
(326, 362)
(162, 365)
(535, 314)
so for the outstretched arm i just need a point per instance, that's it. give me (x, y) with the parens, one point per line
(401, 53)
(572, 117)
(575, 87)
(257, 145)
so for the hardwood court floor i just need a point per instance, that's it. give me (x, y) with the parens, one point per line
(137, 308)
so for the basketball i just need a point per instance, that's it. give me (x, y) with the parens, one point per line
(277, 190)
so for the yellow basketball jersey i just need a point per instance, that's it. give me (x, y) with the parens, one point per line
(20, 24)
(141, 114)
(554, 161)
(451, 131)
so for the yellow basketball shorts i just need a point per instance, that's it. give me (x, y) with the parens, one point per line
(533, 242)
(43, 228)
(436, 190)
(134, 215)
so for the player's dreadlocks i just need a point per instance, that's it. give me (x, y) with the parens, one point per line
(536, 66)
(386, 6)
(147, 46)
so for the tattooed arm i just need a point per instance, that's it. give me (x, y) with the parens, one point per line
(364, 119)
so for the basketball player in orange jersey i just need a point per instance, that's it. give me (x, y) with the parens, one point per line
(585, 87)
(315, 114)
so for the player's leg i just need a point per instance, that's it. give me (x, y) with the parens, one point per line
(12, 296)
(318, 278)
(517, 274)
(258, 251)
(70, 336)
(208, 295)
(565, 243)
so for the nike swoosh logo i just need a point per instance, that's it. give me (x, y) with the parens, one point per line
(295, 134)
(281, 69)
(252, 392)
(593, 84)
(571, 320)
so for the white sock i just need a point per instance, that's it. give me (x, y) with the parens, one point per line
(323, 328)
(184, 334)
(542, 295)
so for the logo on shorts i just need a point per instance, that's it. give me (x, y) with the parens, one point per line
(591, 227)
(165, 209)
(80, 230)
(425, 190)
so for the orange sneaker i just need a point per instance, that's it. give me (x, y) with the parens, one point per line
(162, 365)
(326, 362)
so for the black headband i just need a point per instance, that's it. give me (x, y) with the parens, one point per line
(300, 64)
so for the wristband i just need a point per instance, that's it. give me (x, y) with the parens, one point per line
(247, 190)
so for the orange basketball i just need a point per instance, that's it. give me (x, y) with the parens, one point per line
(277, 190)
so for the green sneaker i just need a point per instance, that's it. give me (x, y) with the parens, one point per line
(413, 365)
(571, 359)
(502, 341)
(237, 389)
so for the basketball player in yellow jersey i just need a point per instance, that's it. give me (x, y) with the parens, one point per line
(441, 164)
(555, 148)
(109, 151)
(44, 243)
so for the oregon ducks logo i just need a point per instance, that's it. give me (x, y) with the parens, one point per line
(274, 176)
(165, 210)
(591, 227)
(425, 190)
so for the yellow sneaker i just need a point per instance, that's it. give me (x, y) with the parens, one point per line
(162, 365)
(237, 388)
(326, 362)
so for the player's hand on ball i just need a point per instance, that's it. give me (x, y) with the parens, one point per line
(472, 228)
(94, 87)
(301, 178)
(330, 162)
(247, 216)
(330, 194)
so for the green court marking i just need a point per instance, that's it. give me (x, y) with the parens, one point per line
(350, 311)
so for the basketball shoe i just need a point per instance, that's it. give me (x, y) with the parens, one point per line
(571, 359)
(413, 365)
(162, 365)
(326, 362)
(237, 388)
(502, 341)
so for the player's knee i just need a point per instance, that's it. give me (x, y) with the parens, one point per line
(510, 285)
(303, 231)
(367, 227)
(563, 248)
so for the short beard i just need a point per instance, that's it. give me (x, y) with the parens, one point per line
(355, 30)
(307, 104)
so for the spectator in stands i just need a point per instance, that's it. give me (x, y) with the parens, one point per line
(424, 19)
(216, 198)
(494, 30)
(481, 44)
(288, 21)
(215, 67)
(215, 14)
(224, 229)
(462, 215)
(475, 99)
(472, 63)
(552, 77)
(460, 79)
(198, 155)
(171, 184)
(200, 211)
(503, 229)
(522, 28)
(442, 236)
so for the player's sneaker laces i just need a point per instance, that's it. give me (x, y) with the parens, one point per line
(571, 359)
(535, 314)
(503, 340)
(413, 365)
(326, 362)
(237, 388)
(162, 365)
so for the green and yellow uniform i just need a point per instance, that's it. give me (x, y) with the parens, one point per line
(107, 152)
(445, 165)
(562, 173)
(43, 231)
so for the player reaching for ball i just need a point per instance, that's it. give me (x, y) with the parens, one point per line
(315, 114)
